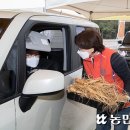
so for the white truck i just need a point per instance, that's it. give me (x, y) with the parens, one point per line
(39, 102)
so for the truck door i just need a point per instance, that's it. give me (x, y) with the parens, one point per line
(46, 111)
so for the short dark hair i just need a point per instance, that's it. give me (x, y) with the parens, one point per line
(90, 38)
(31, 52)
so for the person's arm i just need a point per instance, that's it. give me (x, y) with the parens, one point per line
(120, 67)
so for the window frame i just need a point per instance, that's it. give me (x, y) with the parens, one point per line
(22, 38)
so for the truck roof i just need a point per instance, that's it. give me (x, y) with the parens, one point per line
(51, 18)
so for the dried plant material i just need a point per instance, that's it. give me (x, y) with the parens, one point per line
(99, 90)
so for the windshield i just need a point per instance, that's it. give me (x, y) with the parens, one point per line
(4, 23)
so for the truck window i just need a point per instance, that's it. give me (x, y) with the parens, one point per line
(4, 23)
(55, 59)
(8, 75)
(58, 47)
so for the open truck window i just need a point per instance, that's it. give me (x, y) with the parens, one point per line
(57, 38)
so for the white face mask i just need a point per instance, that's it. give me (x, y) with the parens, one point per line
(32, 61)
(85, 54)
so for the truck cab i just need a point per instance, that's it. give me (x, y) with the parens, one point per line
(39, 101)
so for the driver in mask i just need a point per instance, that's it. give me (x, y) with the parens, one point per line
(32, 61)
(35, 44)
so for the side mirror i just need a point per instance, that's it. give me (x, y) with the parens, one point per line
(120, 42)
(43, 82)
(40, 82)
